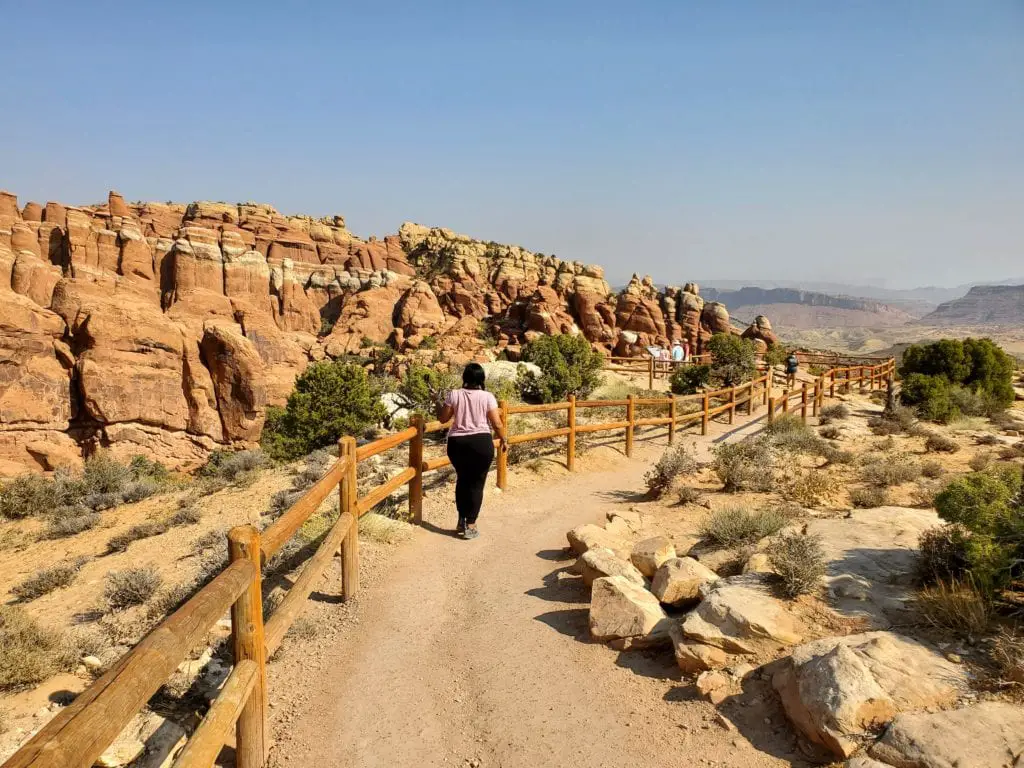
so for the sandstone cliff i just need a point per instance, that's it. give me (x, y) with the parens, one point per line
(166, 329)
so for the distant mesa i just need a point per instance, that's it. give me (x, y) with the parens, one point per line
(167, 329)
(982, 305)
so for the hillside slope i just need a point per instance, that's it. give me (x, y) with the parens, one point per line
(982, 305)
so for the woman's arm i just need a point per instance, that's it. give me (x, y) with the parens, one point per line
(494, 417)
(447, 414)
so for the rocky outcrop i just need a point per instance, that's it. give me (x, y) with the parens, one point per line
(167, 328)
(982, 305)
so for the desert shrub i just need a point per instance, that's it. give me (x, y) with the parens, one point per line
(789, 433)
(882, 426)
(869, 498)
(809, 487)
(330, 399)
(942, 554)
(187, 515)
(980, 461)
(167, 601)
(831, 432)
(119, 542)
(688, 379)
(955, 607)
(889, 470)
(988, 505)
(673, 462)
(733, 359)
(46, 580)
(736, 526)
(104, 475)
(748, 465)
(27, 495)
(987, 440)
(232, 466)
(424, 389)
(68, 521)
(923, 495)
(799, 560)
(689, 495)
(141, 467)
(568, 364)
(137, 490)
(28, 653)
(834, 455)
(776, 354)
(837, 411)
(937, 443)
(132, 586)
(932, 468)
(1015, 451)
(1007, 653)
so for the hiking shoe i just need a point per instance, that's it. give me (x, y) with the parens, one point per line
(460, 529)
(470, 533)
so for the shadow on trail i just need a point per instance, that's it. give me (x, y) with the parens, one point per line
(571, 622)
(739, 428)
(655, 663)
(437, 529)
(624, 495)
(556, 555)
(560, 589)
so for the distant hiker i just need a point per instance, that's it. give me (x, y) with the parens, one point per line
(473, 412)
(686, 351)
(678, 355)
(792, 365)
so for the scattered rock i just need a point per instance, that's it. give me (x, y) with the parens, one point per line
(584, 537)
(92, 663)
(758, 563)
(839, 690)
(739, 615)
(695, 657)
(148, 741)
(600, 561)
(987, 734)
(649, 554)
(678, 580)
(715, 686)
(620, 608)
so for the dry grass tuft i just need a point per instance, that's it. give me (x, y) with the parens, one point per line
(385, 530)
(955, 607)
(981, 461)
(809, 487)
(892, 469)
(799, 561)
(869, 498)
(28, 653)
(937, 443)
(689, 495)
(46, 580)
(733, 527)
(932, 468)
(1007, 653)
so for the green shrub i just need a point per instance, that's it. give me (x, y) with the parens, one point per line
(988, 505)
(673, 462)
(869, 498)
(330, 399)
(949, 377)
(837, 411)
(889, 470)
(775, 355)
(688, 379)
(799, 561)
(789, 433)
(425, 389)
(932, 468)
(733, 359)
(748, 465)
(732, 527)
(27, 495)
(132, 586)
(568, 364)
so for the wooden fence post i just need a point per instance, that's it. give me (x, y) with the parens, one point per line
(630, 418)
(785, 400)
(771, 409)
(650, 373)
(803, 403)
(502, 473)
(672, 419)
(348, 497)
(570, 443)
(832, 386)
(416, 462)
(732, 404)
(768, 380)
(707, 416)
(248, 644)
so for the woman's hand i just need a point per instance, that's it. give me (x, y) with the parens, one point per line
(503, 443)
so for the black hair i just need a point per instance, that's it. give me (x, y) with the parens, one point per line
(473, 376)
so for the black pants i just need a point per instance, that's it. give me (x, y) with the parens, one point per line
(471, 455)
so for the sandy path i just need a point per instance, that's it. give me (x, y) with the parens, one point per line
(476, 653)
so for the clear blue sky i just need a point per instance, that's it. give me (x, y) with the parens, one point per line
(848, 141)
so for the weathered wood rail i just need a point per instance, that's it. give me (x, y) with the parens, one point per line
(77, 736)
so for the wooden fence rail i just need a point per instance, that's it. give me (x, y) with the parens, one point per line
(78, 735)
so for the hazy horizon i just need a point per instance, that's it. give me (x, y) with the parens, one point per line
(876, 144)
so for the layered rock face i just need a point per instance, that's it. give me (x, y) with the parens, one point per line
(166, 329)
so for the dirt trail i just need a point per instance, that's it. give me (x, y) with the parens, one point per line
(476, 653)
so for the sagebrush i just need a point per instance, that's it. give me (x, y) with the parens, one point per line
(733, 527)
(673, 463)
(132, 586)
(799, 560)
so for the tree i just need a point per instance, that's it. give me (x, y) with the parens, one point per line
(733, 359)
(687, 379)
(330, 399)
(568, 364)
(425, 389)
(950, 376)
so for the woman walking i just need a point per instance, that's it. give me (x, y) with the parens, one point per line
(473, 412)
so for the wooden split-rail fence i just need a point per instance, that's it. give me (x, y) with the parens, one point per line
(79, 734)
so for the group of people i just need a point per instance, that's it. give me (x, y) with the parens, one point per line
(678, 353)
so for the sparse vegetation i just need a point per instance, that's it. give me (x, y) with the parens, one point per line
(28, 653)
(831, 432)
(955, 607)
(869, 498)
(237, 467)
(748, 465)
(689, 495)
(889, 470)
(733, 527)
(809, 487)
(932, 468)
(46, 580)
(132, 586)
(673, 463)
(896, 421)
(799, 560)
(1007, 652)
(834, 412)
(789, 433)
(937, 443)
(568, 364)
(330, 399)
(980, 461)
(942, 554)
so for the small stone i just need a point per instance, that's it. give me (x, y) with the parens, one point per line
(723, 722)
(955, 658)
(92, 663)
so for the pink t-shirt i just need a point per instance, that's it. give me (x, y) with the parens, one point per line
(470, 407)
